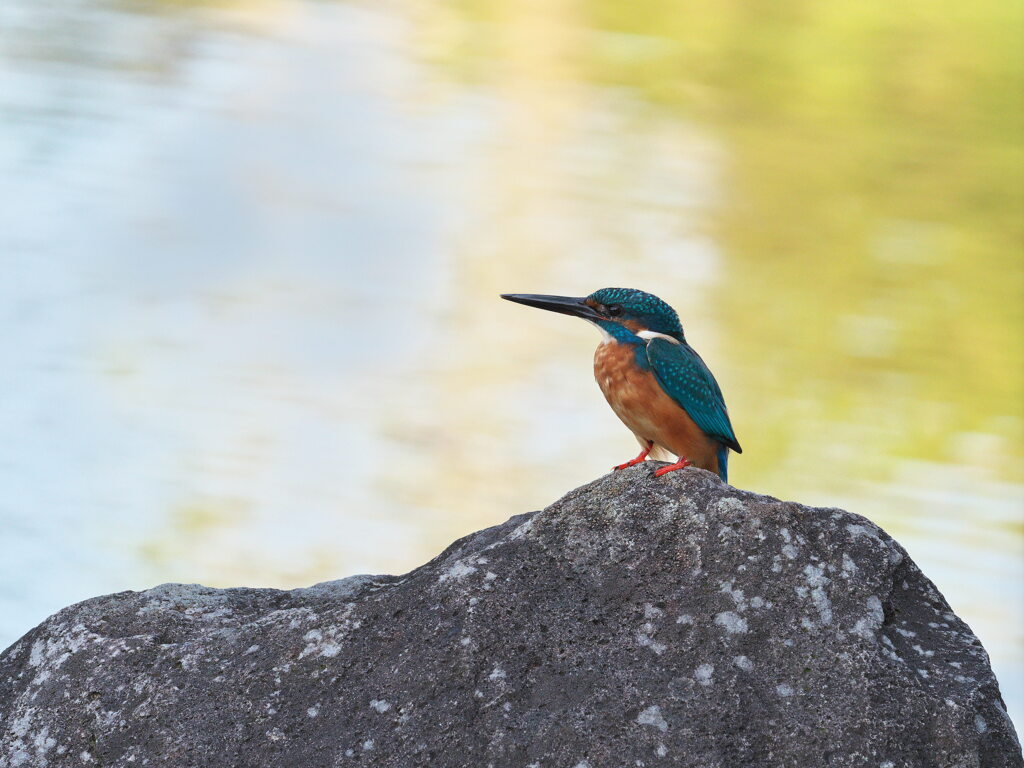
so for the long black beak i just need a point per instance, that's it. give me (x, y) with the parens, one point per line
(567, 305)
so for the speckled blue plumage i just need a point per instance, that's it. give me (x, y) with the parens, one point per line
(647, 308)
(687, 380)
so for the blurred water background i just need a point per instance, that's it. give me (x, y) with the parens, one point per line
(251, 252)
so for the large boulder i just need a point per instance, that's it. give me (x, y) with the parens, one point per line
(635, 622)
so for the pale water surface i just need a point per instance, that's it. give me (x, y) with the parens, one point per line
(250, 255)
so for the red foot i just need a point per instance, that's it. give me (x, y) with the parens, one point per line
(638, 459)
(672, 467)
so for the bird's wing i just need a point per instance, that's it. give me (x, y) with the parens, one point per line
(687, 380)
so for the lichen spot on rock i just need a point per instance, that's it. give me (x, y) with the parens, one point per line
(704, 674)
(743, 663)
(732, 622)
(652, 716)
(458, 570)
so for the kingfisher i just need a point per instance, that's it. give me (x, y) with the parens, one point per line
(656, 383)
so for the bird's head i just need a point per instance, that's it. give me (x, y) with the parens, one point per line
(614, 310)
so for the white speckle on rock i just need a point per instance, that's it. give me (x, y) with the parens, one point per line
(330, 648)
(323, 642)
(465, 641)
(733, 622)
(646, 641)
(756, 602)
(458, 570)
(313, 711)
(685, 619)
(815, 575)
(582, 764)
(43, 742)
(731, 504)
(704, 673)
(522, 530)
(817, 579)
(380, 705)
(856, 531)
(662, 750)
(875, 608)
(784, 690)
(497, 674)
(490, 576)
(887, 764)
(979, 724)
(866, 626)
(743, 663)
(251, 649)
(652, 611)
(368, 745)
(652, 716)
(849, 567)
(735, 594)
(790, 551)
(21, 724)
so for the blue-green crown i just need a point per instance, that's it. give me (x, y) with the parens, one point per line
(643, 307)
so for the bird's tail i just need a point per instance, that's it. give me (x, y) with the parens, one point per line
(723, 463)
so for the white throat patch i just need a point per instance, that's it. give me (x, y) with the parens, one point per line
(605, 336)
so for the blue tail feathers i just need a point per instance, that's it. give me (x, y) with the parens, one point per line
(723, 463)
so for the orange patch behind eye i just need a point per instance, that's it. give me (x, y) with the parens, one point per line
(633, 325)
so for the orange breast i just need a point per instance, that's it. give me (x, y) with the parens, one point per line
(642, 405)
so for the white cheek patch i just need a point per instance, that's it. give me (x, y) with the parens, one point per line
(648, 335)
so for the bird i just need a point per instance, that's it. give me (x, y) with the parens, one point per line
(656, 383)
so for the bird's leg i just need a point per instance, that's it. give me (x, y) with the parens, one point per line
(683, 462)
(638, 459)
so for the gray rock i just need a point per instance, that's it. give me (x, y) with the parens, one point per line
(636, 622)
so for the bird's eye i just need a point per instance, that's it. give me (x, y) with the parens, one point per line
(613, 310)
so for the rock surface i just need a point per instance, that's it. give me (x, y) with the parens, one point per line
(636, 622)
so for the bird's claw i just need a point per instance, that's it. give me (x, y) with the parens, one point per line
(628, 464)
(633, 462)
(681, 464)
